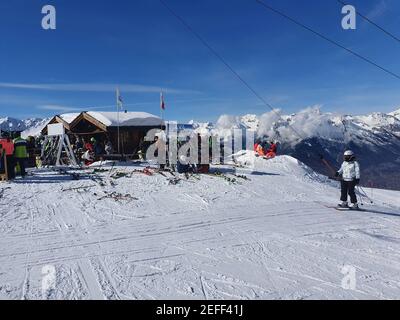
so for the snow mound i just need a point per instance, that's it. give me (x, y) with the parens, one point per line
(280, 165)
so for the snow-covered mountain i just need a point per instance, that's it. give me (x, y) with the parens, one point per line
(28, 127)
(395, 113)
(7, 124)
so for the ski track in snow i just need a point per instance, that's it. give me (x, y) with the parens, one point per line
(269, 237)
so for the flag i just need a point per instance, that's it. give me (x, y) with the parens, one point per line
(162, 102)
(119, 99)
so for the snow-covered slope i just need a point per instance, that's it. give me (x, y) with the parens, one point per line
(266, 235)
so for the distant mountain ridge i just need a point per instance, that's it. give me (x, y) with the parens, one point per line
(28, 127)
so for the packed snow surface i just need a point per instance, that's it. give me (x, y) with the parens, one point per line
(270, 235)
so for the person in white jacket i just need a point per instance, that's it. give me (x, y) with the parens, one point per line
(350, 172)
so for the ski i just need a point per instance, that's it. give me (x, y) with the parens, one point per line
(344, 209)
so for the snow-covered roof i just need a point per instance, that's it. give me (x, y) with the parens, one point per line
(126, 119)
(69, 117)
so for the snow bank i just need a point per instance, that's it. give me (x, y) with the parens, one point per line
(279, 165)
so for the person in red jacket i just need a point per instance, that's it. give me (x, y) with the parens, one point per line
(271, 152)
(89, 146)
(8, 146)
(256, 145)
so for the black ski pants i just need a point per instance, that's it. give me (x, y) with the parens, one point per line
(11, 167)
(348, 188)
(22, 165)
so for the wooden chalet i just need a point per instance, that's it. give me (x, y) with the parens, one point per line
(103, 126)
(65, 119)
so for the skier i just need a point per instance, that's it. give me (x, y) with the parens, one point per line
(21, 154)
(350, 172)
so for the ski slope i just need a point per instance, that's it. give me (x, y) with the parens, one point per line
(269, 236)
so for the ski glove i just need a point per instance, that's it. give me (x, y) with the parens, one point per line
(357, 181)
(336, 174)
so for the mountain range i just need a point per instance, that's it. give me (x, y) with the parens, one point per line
(30, 126)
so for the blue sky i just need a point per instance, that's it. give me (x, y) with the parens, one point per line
(139, 46)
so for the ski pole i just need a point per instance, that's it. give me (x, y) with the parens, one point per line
(360, 196)
(365, 194)
(371, 185)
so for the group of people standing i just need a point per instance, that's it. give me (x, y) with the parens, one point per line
(16, 156)
(92, 149)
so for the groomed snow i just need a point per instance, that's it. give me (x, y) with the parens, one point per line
(110, 119)
(268, 237)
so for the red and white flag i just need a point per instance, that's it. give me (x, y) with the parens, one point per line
(162, 102)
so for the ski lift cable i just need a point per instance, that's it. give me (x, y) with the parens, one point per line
(373, 23)
(302, 25)
(227, 65)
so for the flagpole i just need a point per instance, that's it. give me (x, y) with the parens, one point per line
(161, 108)
(118, 125)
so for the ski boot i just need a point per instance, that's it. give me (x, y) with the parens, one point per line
(343, 205)
(354, 206)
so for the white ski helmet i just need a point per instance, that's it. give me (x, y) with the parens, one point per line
(349, 153)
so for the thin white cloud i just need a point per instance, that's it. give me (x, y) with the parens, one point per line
(94, 87)
(61, 108)
(53, 107)
(378, 10)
